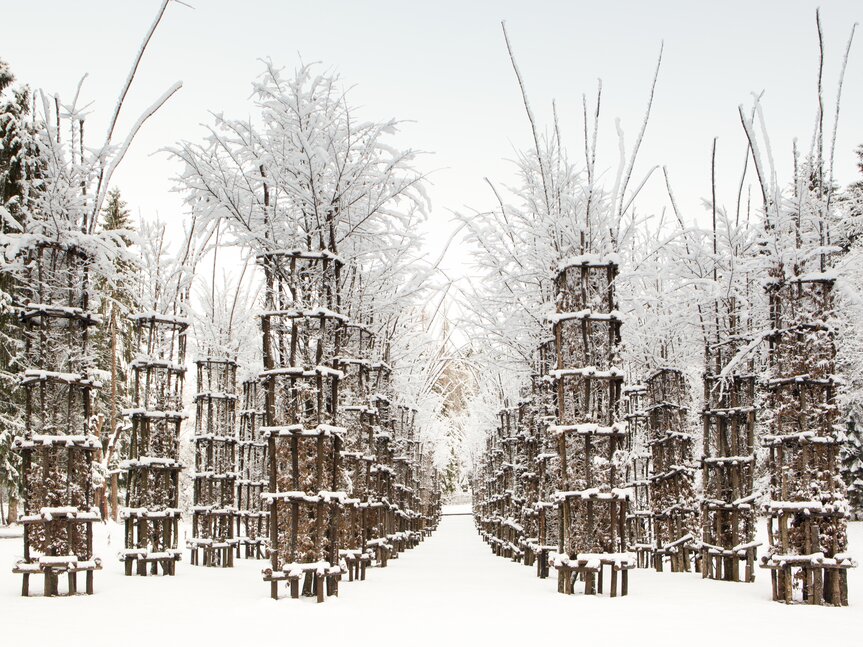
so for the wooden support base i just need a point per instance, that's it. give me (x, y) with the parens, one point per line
(593, 578)
(314, 584)
(816, 584)
(51, 580)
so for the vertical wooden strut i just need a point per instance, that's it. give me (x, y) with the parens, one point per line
(590, 429)
(58, 446)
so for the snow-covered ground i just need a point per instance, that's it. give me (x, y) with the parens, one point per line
(449, 590)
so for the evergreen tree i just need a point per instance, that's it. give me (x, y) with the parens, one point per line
(852, 466)
(116, 215)
(16, 159)
(14, 151)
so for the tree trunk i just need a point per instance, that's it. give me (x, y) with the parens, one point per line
(12, 517)
(114, 504)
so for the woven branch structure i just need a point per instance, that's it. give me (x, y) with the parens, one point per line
(550, 488)
(215, 479)
(590, 430)
(499, 521)
(302, 335)
(358, 454)
(639, 521)
(58, 448)
(547, 461)
(728, 508)
(152, 512)
(672, 492)
(408, 450)
(526, 491)
(394, 519)
(807, 513)
(252, 529)
(519, 473)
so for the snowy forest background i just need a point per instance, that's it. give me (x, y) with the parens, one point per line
(462, 298)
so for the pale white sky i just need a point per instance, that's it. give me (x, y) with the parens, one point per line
(443, 64)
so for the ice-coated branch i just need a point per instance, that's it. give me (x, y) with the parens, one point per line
(124, 147)
(530, 118)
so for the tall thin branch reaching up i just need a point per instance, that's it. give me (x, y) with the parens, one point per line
(836, 114)
(530, 118)
(640, 138)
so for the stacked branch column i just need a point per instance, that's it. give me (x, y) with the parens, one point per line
(381, 515)
(672, 494)
(357, 456)
(639, 522)
(728, 471)
(502, 531)
(547, 461)
(152, 513)
(252, 474)
(807, 513)
(407, 485)
(215, 440)
(526, 491)
(429, 490)
(58, 447)
(301, 332)
(590, 430)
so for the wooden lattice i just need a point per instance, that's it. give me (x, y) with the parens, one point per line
(489, 518)
(214, 506)
(152, 512)
(429, 491)
(590, 430)
(503, 531)
(302, 333)
(58, 446)
(727, 476)
(252, 475)
(381, 515)
(406, 487)
(547, 461)
(357, 417)
(807, 514)
(527, 482)
(639, 522)
(672, 490)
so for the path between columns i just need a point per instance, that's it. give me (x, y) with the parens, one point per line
(449, 591)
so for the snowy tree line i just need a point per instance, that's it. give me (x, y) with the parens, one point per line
(713, 297)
